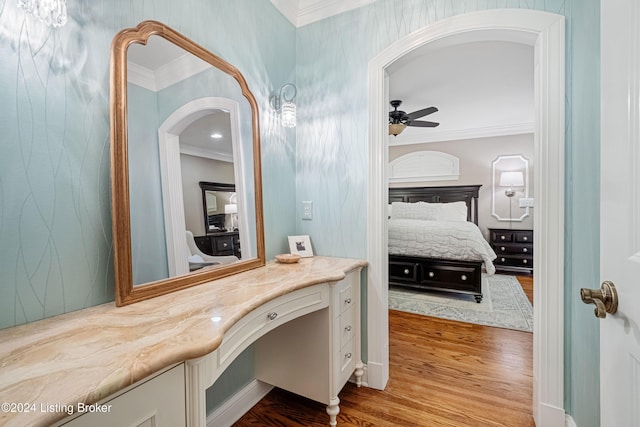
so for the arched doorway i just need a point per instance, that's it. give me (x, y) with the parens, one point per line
(545, 32)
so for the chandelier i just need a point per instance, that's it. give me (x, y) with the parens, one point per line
(52, 12)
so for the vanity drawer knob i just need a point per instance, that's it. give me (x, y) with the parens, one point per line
(272, 315)
(347, 301)
(463, 277)
(348, 328)
(432, 274)
(407, 271)
(348, 355)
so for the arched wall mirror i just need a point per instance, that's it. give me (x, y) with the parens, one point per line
(180, 115)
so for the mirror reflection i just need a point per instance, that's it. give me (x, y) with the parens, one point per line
(205, 143)
(188, 120)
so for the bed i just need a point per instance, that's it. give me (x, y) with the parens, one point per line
(434, 241)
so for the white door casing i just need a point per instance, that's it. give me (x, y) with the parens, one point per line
(546, 32)
(620, 211)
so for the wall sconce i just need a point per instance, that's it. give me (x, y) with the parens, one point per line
(511, 179)
(285, 106)
(52, 12)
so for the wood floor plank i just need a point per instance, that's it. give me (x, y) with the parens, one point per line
(442, 374)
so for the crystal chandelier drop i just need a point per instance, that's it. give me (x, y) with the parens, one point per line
(52, 12)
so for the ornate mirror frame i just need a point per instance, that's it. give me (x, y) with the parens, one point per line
(126, 293)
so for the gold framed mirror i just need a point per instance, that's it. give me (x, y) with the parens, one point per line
(151, 110)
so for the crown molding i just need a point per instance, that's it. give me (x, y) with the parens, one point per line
(169, 74)
(315, 10)
(193, 150)
(141, 76)
(426, 136)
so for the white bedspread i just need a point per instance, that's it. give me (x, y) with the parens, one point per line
(455, 240)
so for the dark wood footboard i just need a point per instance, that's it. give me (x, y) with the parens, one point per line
(437, 274)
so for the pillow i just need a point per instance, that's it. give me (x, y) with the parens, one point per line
(419, 210)
(456, 211)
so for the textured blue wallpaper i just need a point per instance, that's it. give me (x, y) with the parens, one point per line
(55, 220)
(55, 226)
(332, 146)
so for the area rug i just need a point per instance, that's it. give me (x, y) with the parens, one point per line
(504, 304)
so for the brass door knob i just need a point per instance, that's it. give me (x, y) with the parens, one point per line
(605, 299)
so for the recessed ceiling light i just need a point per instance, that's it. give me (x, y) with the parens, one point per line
(216, 135)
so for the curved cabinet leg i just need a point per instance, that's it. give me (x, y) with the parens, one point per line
(333, 409)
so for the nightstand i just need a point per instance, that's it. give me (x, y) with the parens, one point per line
(514, 249)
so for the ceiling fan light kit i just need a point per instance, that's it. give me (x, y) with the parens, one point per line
(399, 120)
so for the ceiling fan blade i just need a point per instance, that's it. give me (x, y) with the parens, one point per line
(422, 113)
(420, 124)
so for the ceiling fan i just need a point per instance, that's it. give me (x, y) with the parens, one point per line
(399, 120)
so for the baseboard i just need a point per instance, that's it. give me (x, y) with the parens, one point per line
(550, 416)
(238, 404)
(569, 422)
(377, 376)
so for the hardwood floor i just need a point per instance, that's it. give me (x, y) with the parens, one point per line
(527, 286)
(442, 373)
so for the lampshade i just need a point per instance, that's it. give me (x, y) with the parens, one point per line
(231, 209)
(511, 179)
(288, 114)
(396, 129)
(285, 105)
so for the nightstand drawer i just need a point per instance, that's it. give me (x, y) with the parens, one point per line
(223, 243)
(506, 248)
(501, 236)
(514, 261)
(523, 236)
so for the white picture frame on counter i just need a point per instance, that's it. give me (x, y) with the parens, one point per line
(300, 245)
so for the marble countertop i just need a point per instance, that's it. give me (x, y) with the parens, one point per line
(87, 355)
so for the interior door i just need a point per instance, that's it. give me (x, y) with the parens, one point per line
(620, 211)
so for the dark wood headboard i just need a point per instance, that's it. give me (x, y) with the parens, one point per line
(455, 193)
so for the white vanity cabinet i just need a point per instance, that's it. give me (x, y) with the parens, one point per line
(306, 342)
(316, 355)
(156, 402)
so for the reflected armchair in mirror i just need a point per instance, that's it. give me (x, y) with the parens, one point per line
(201, 258)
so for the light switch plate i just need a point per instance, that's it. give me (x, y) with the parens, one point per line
(307, 209)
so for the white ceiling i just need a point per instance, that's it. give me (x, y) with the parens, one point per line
(160, 64)
(480, 89)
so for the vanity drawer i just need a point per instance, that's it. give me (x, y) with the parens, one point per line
(269, 316)
(347, 326)
(345, 295)
(347, 363)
